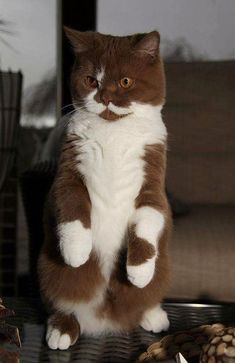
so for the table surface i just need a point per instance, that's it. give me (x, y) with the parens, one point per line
(108, 349)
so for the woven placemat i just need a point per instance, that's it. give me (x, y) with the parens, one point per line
(110, 349)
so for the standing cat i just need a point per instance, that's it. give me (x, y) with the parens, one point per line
(104, 264)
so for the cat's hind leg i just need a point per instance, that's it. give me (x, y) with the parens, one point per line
(62, 331)
(155, 320)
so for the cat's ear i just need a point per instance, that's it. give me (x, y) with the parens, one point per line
(148, 45)
(81, 41)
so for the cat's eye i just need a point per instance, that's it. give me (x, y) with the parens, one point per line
(91, 82)
(126, 82)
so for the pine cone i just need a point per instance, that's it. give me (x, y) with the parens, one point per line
(189, 343)
(9, 357)
(8, 333)
(220, 348)
(4, 312)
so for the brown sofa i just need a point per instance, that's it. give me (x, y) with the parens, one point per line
(200, 117)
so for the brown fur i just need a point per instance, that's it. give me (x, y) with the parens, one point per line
(121, 56)
(69, 199)
(126, 303)
(152, 193)
(62, 282)
(139, 250)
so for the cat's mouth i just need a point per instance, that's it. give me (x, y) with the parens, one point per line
(109, 115)
(110, 112)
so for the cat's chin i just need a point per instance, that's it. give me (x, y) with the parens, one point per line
(110, 115)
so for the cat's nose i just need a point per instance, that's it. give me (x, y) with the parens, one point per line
(106, 99)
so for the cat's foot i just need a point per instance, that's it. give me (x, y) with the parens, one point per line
(57, 340)
(75, 243)
(62, 331)
(141, 275)
(155, 320)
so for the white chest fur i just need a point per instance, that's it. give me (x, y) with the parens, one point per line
(111, 160)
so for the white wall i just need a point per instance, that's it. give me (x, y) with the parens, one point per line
(207, 25)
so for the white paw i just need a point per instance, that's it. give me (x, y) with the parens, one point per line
(155, 320)
(141, 275)
(75, 243)
(149, 224)
(56, 340)
(77, 254)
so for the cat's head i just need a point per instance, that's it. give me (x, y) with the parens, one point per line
(113, 76)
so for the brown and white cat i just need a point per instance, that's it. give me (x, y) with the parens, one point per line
(104, 264)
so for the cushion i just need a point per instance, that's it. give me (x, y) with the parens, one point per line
(199, 115)
(202, 255)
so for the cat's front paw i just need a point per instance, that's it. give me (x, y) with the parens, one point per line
(75, 243)
(141, 275)
(76, 254)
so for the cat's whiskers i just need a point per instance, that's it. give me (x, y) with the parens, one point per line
(66, 106)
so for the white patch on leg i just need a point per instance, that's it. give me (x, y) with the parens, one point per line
(56, 340)
(149, 224)
(75, 243)
(141, 275)
(155, 320)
